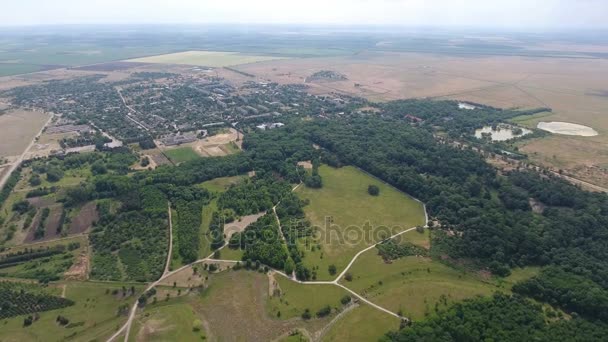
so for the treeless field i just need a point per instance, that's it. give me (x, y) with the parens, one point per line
(18, 128)
(347, 219)
(205, 58)
(574, 88)
(241, 297)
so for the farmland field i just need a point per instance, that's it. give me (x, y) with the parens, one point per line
(205, 58)
(17, 129)
(347, 206)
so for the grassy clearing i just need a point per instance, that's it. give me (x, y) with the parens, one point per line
(181, 154)
(18, 128)
(530, 121)
(93, 317)
(205, 58)
(351, 212)
(363, 323)
(295, 298)
(221, 184)
(205, 242)
(416, 286)
(231, 254)
(168, 321)
(235, 308)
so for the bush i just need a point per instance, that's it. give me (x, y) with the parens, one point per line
(348, 276)
(306, 315)
(373, 190)
(332, 269)
(324, 311)
(346, 299)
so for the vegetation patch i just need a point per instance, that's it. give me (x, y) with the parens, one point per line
(181, 154)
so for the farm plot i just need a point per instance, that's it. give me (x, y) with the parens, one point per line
(347, 219)
(216, 59)
(18, 128)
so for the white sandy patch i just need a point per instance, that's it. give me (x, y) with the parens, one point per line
(567, 128)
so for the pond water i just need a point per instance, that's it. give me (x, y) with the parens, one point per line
(502, 132)
(567, 128)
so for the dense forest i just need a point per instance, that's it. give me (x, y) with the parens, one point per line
(500, 318)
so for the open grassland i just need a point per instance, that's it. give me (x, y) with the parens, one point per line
(234, 308)
(174, 320)
(348, 219)
(416, 286)
(18, 128)
(363, 323)
(221, 184)
(181, 154)
(292, 298)
(93, 317)
(205, 58)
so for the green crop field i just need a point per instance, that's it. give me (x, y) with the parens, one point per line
(413, 285)
(92, 317)
(295, 298)
(363, 323)
(357, 219)
(181, 154)
(205, 58)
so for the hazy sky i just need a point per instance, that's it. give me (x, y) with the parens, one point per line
(549, 14)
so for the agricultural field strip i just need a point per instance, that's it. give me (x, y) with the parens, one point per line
(17, 162)
(127, 325)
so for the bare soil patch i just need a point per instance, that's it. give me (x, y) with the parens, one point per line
(307, 164)
(185, 278)
(240, 225)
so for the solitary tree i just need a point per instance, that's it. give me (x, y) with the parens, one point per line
(373, 190)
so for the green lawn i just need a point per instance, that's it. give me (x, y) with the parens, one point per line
(231, 254)
(295, 298)
(181, 154)
(413, 285)
(174, 320)
(363, 323)
(530, 121)
(205, 242)
(348, 219)
(94, 316)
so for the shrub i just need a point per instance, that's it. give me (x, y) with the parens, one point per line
(373, 190)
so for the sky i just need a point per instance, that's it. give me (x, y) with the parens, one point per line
(543, 14)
